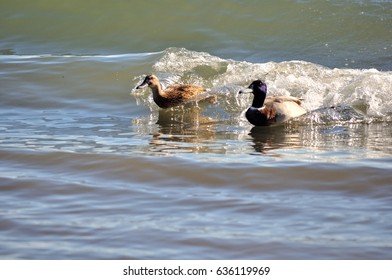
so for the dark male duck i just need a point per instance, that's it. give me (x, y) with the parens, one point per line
(272, 109)
(174, 95)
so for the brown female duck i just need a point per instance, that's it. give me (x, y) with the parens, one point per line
(272, 109)
(173, 95)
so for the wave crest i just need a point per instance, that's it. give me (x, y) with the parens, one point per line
(365, 90)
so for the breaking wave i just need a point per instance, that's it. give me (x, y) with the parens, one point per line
(338, 95)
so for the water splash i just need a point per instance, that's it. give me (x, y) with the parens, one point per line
(365, 91)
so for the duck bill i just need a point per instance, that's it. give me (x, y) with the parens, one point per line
(142, 85)
(246, 90)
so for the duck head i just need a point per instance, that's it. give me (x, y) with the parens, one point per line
(150, 81)
(258, 87)
(259, 90)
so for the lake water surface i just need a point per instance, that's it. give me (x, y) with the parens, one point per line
(91, 168)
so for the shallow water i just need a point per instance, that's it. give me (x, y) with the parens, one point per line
(91, 168)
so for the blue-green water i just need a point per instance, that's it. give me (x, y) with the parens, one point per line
(355, 34)
(91, 168)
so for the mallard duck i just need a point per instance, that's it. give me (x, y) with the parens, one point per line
(272, 109)
(173, 95)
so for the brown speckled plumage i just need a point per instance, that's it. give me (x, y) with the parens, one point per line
(173, 95)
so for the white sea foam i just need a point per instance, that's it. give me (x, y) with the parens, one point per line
(366, 90)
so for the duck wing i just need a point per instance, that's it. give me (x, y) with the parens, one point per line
(284, 98)
(282, 108)
(183, 92)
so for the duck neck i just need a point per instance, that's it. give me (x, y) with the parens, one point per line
(158, 95)
(157, 91)
(258, 99)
